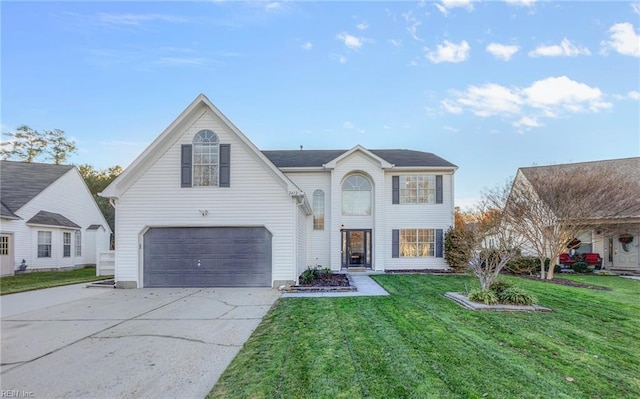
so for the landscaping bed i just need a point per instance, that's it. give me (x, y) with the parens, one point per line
(562, 281)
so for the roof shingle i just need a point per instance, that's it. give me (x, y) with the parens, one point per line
(317, 158)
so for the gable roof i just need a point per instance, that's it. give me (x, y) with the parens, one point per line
(318, 158)
(20, 182)
(52, 219)
(171, 134)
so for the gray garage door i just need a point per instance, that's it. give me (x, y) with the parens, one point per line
(207, 257)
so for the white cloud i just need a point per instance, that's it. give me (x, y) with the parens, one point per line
(137, 19)
(362, 26)
(636, 7)
(307, 46)
(449, 52)
(524, 107)
(634, 95)
(449, 4)
(623, 39)
(350, 126)
(450, 129)
(274, 5)
(413, 25)
(522, 3)
(181, 61)
(396, 43)
(502, 51)
(562, 92)
(340, 58)
(527, 123)
(564, 49)
(352, 42)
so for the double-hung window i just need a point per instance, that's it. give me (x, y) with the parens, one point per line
(44, 244)
(417, 243)
(66, 244)
(205, 158)
(418, 189)
(356, 196)
(78, 242)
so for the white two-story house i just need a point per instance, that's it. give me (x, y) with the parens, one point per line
(202, 206)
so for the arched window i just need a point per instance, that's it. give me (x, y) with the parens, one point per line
(356, 196)
(318, 210)
(205, 158)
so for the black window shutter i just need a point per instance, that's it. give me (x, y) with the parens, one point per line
(225, 165)
(395, 243)
(438, 243)
(395, 185)
(438, 189)
(185, 166)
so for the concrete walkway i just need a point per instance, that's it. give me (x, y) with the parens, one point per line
(364, 284)
(143, 343)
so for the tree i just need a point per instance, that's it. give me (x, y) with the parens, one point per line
(28, 145)
(457, 250)
(550, 206)
(98, 180)
(58, 146)
(492, 242)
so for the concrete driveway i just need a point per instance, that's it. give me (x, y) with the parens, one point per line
(145, 343)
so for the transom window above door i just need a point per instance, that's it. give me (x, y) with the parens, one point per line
(205, 158)
(356, 196)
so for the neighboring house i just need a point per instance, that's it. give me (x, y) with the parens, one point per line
(617, 235)
(202, 206)
(48, 218)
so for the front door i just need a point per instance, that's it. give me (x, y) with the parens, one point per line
(6, 255)
(626, 254)
(356, 248)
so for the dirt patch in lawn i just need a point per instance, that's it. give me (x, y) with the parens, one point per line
(569, 283)
(422, 271)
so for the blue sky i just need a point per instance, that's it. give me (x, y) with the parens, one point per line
(489, 86)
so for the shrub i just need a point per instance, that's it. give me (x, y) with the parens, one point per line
(580, 267)
(457, 248)
(500, 286)
(487, 297)
(313, 273)
(526, 265)
(517, 296)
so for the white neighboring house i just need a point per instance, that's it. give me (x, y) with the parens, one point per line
(202, 206)
(48, 218)
(608, 240)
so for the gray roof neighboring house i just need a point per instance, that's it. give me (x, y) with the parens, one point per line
(20, 182)
(95, 227)
(317, 158)
(52, 219)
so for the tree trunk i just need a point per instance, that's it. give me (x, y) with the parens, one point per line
(542, 271)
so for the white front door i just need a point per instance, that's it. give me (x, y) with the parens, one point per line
(626, 254)
(6, 255)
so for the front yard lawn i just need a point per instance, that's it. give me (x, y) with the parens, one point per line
(39, 280)
(418, 344)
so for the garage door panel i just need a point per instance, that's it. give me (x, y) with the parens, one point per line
(207, 257)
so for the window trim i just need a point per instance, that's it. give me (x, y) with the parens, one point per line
(78, 243)
(431, 233)
(66, 246)
(318, 209)
(213, 147)
(47, 245)
(356, 188)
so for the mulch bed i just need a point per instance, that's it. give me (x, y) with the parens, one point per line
(562, 281)
(328, 280)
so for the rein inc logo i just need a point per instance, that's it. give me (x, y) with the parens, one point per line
(14, 393)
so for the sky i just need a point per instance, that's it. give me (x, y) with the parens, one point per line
(489, 86)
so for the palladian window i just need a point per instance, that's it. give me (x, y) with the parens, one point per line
(356, 196)
(205, 158)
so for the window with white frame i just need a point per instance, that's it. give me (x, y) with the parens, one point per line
(356, 196)
(66, 244)
(4, 245)
(418, 189)
(417, 243)
(205, 158)
(78, 242)
(44, 244)
(318, 210)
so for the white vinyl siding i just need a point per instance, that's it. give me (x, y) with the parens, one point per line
(255, 198)
(67, 196)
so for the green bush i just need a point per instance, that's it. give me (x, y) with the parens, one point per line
(313, 273)
(457, 248)
(500, 286)
(517, 296)
(483, 296)
(525, 265)
(580, 267)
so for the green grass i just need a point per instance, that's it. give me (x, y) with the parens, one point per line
(39, 280)
(418, 344)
